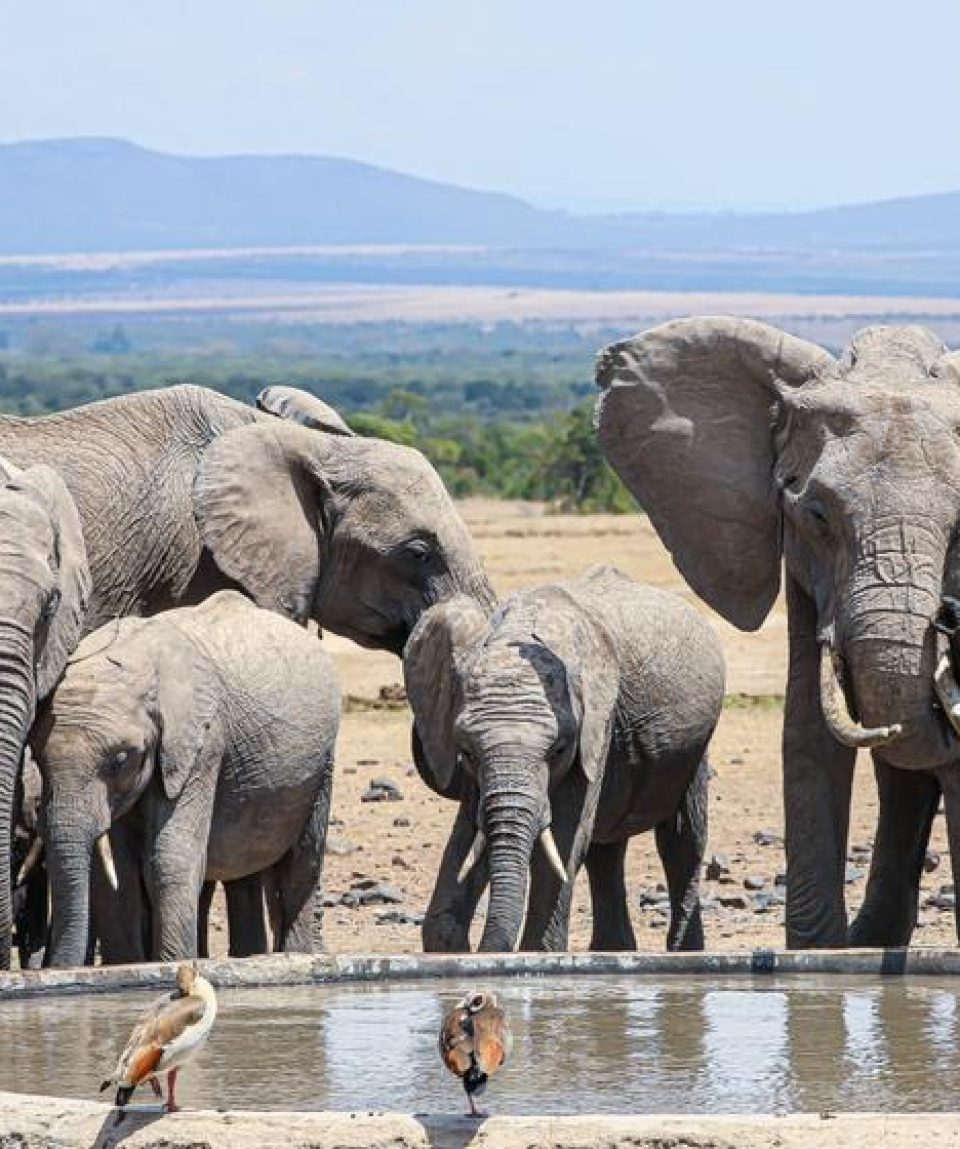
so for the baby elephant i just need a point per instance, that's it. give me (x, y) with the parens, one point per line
(215, 725)
(575, 717)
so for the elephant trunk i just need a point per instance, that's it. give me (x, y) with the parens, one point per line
(17, 706)
(512, 822)
(69, 851)
(889, 646)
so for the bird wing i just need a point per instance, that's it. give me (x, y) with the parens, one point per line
(161, 1025)
(492, 1039)
(456, 1041)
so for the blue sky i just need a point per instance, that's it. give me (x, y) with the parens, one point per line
(596, 104)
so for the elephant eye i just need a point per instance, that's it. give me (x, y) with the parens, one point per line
(119, 760)
(817, 512)
(419, 549)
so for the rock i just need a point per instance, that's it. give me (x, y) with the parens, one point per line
(395, 692)
(767, 838)
(853, 874)
(948, 889)
(402, 821)
(339, 846)
(931, 861)
(762, 903)
(398, 918)
(349, 769)
(736, 761)
(941, 901)
(754, 882)
(860, 853)
(368, 761)
(330, 901)
(382, 790)
(399, 860)
(734, 901)
(334, 821)
(781, 879)
(379, 894)
(717, 868)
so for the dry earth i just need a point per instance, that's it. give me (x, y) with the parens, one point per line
(399, 842)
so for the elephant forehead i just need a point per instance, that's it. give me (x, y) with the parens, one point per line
(515, 668)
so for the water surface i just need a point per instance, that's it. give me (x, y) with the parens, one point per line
(634, 1044)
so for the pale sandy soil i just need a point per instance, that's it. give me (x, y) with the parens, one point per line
(521, 545)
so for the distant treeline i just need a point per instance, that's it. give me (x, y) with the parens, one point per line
(508, 416)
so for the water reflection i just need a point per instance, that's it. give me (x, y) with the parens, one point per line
(616, 1044)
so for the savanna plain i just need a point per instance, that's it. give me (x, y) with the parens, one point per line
(386, 852)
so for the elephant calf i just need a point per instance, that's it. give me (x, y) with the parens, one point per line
(215, 725)
(574, 718)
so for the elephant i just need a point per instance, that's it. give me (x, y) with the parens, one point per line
(44, 593)
(750, 449)
(578, 715)
(182, 492)
(215, 726)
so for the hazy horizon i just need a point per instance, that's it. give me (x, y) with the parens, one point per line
(628, 107)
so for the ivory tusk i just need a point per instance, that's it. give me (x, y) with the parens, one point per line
(106, 860)
(30, 861)
(476, 853)
(945, 684)
(836, 715)
(549, 845)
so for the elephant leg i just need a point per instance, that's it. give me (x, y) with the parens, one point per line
(681, 844)
(950, 781)
(817, 781)
(612, 929)
(121, 920)
(245, 916)
(446, 926)
(174, 871)
(207, 890)
(299, 878)
(908, 803)
(31, 903)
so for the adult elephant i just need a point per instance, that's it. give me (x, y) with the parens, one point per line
(44, 587)
(182, 492)
(745, 444)
(575, 718)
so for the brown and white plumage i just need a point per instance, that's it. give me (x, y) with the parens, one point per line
(171, 1032)
(475, 1040)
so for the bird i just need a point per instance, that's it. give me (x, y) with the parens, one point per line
(171, 1032)
(475, 1040)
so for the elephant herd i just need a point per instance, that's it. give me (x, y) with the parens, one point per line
(162, 553)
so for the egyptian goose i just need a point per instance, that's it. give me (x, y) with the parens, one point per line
(475, 1040)
(169, 1034)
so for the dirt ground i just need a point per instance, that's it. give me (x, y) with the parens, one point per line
(399, 842)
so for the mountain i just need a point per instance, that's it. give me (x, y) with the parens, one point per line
(87, 195)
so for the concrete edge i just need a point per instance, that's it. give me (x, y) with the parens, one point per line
(307, 969)
(44, 1123)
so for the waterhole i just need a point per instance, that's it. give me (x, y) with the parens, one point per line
(593, 1044)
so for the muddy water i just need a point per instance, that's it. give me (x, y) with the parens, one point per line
(593, 1044)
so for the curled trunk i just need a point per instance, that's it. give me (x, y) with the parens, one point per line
(17, 701)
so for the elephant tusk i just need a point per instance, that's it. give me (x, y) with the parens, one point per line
(476, 853)
(30, 861)
(549, 845)
(836, 715)
(945, 683)
(106, 860)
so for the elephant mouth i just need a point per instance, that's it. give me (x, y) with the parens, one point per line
(947, 626)
(833, 703)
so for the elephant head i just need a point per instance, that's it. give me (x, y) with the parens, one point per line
(745, 444)
(357, 534)
(44, 588)
(520, 708)
(137, 707)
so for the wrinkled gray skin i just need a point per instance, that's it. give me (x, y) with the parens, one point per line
(183, 492)
(44, 587)
(216, 725)
(745, 444)
(585, 707)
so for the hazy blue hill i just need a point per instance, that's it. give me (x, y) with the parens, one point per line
(104, 194)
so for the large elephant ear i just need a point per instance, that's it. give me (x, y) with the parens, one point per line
(188, 710)
(434, 662)
(259, 500)
(65, 625)
(685, 419)
(302, 407)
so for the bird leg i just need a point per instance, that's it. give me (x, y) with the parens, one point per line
(172, 1106)
(156, 1087)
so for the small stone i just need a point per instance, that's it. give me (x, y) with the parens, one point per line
(734, 901)
(853, 874)
(767, 838)
(368, 761)
(754, 882)
(931, 861)
(762, 903)
(382, 790)
(349, 769)
(717, 868)
(329, 901)
(942, 901)
(340, 846)
(780, 879)
(399, 860)
(395, 692)
(947, 889)
(736, 761)
(379, 894)
(401, 821)
(398, 918)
